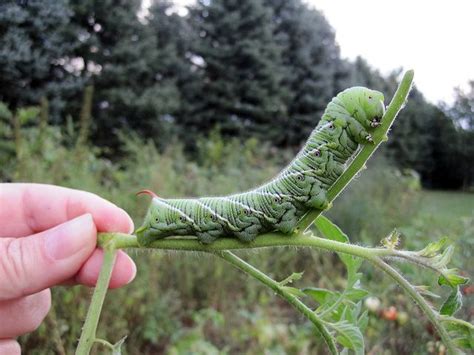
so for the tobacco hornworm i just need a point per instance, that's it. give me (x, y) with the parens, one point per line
(280, 203)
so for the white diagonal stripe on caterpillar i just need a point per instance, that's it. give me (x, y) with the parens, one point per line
(164, 202)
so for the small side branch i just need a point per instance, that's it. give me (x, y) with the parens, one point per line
(279, 290)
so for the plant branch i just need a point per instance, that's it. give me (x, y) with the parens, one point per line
(221, 247)
(379, 135)
(374, 255)
(89, 330)
(415, 295)
(280, 290)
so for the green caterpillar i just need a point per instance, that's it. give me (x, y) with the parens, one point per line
(280, 203)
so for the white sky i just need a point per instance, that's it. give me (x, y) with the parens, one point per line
(433, 37)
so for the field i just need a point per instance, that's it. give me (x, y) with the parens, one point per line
(182, 303)
(446, 207)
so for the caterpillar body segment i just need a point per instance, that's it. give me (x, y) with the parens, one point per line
(279, 204)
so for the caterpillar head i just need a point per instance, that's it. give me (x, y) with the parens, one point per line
(364, 104)
(162, 220)
(372, 103)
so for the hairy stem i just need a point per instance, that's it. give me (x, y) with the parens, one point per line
(88, 335)
(415, 295)
(279, 290)
(379, 136)
(221, 246)
(374, 255)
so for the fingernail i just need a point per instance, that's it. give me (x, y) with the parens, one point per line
(130, 222)
(134, 270)
(69, 238)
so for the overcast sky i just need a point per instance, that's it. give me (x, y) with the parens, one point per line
(434, 37)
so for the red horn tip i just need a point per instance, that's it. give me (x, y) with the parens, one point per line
(147, 192)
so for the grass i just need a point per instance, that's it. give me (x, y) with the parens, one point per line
(446, 206)
(179, 301)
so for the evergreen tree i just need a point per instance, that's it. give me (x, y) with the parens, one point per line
(462, 113)
(119, 53)
(239, 63)
(34, 51)
(172, 67)
(311, 59)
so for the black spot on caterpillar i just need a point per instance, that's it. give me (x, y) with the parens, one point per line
(280, 203)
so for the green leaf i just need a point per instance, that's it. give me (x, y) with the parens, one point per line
(457, 325)
(432, 249)
(452, 304)
(349, 336)
(363, 320)
(320, 295)
(330, 230)
(355, 294)
(452, 279)
(293, 277)
(461, 331)
(333, 232)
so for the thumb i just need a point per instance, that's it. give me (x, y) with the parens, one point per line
(31, 264)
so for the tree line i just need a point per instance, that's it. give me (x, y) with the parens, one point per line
(246, 68)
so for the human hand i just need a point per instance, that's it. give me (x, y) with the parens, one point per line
(48, 237)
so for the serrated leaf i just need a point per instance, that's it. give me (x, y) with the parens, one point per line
(458, 325)
(356, 294)
(320, 295)
(349, 336)
(363, 320)
(331, 231)
(117, 347)
(452, 304)
(461, 331)
(293, 277)
(433, 248)
(452, 279)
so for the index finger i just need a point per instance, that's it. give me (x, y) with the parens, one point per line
(32, 208)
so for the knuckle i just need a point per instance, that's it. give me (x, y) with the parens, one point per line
(12, 267)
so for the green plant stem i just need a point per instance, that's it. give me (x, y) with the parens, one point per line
(415, 295)
(264, 241)
(379, 135)
(119, 240)
(88, 335)
(374, 255)
(279, 290)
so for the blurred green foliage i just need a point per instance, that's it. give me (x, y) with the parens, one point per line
(189, 303)
(262, 69)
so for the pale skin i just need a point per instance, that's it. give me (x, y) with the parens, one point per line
(48, 237)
